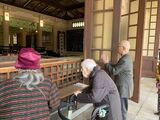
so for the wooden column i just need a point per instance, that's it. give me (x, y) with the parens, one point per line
(52, 38)
(11, 39)
(88, 28)
(139, 46)
(5, 33)
(23, 38)
(39, 37)
(116, 29)
(55, 40)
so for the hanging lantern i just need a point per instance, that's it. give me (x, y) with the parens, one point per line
(6, 16)
(41, 23)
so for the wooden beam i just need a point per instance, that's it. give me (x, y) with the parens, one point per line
(45, 8)
(53, 3)
(36, 5)
(80, 5)
(27, 3)
(57, 5)
(78, 13)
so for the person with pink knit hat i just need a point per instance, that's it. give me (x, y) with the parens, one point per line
(29, 95)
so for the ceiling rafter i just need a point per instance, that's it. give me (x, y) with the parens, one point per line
(78, 12)
(56, 4)
(27, 3)
(53, 11)
(71, 12)
(53, 3)
(37, 5)
(56, 12)
(55, 8)
(80, 5)
(44, 9)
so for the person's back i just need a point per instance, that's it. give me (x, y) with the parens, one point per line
(102, 91)
(17, 102)
(111, 94)
(123, 73)
(124, 76)
(28, 95)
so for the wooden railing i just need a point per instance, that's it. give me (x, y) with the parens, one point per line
(62, 72)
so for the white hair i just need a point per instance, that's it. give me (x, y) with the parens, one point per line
(89, 64)
(29, 78)
(125, 44)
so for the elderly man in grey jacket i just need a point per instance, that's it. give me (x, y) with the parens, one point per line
(123, 72)
(102, 90)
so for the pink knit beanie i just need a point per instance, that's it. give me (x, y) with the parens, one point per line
(28, 58)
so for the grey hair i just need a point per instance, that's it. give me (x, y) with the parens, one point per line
(29, 78)
(89, 64)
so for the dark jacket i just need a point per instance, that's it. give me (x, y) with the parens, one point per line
(102, 91)
(123, 72)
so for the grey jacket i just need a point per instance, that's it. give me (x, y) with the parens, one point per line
(102, 91)
(123, 72)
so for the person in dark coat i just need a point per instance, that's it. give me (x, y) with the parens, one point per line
(102, 90)
(123, 72)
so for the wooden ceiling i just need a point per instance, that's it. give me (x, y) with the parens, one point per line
(64, 9)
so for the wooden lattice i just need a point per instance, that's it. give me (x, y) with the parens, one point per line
(63, 72)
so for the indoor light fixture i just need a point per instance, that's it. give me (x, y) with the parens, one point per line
(41, 23)
(78, 24)
(6, 16)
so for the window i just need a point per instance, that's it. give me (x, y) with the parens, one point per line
(14, 39)
(78, 24)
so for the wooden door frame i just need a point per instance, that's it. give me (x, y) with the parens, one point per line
(138, 56)
(88, 28)
(116, 30)
(157, 36)
(150, 70)
(139, 47)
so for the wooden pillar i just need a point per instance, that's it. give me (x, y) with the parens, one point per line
(116, 29)
(55, 49)
(139, 47)
(23, 38)
(88, 28)
(11, 39)
(39, 37)
(52, 39)
(5, 33)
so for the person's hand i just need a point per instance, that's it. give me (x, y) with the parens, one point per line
(77, 92)
(104, 58)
